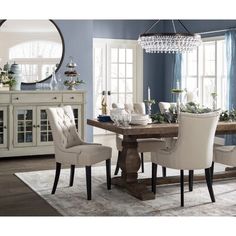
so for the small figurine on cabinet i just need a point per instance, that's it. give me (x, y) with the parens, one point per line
(104, 104)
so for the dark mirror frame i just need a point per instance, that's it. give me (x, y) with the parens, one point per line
(62, 56)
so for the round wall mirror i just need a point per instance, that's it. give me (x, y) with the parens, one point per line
(36, 45)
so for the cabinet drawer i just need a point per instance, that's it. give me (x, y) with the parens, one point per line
(4, 98)
(73, 98)
(36, 98)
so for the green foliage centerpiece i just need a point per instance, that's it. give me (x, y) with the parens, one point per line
(7, 77)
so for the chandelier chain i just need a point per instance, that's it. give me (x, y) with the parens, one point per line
(173, 26)
(153, 25)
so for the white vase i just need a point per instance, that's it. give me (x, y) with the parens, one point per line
(15, 68)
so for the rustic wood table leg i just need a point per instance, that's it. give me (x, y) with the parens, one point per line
(130, 164)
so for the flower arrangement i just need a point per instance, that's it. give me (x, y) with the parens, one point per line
(171, 115)
(6, 77)
(228, 115)
(72, 83)
(151, 101)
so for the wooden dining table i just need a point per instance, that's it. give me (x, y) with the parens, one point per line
(130, 160)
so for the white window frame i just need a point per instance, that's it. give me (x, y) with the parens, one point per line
(106, 44)
(200, 76)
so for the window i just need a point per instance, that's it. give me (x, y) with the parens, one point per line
(117, 72)
(37, 58)
(204, 69)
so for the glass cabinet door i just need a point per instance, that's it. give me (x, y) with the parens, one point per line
(77, 116)
(44, 136)
(25, 127)
(3, 127)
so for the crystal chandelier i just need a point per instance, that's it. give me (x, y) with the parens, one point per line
(169, 42)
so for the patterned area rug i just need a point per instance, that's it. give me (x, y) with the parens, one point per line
(71, 201)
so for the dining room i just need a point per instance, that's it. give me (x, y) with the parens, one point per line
(118, 118)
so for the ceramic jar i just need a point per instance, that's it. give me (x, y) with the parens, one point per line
(16, 70)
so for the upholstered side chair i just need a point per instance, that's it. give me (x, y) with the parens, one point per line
(71, 149)
(144, 145)
(165, 106)
(225, 155)
(193, 149)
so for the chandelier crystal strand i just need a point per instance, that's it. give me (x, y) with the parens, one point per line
(169, 42)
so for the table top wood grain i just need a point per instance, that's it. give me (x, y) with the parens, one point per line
(155, 130)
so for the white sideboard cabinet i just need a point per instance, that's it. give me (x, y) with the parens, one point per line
(24, 127)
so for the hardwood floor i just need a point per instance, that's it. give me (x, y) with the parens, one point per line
(17, 199)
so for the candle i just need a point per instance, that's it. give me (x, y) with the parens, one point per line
(177, 85)
(149, 95)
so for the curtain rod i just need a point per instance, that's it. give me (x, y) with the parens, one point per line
(216, 31)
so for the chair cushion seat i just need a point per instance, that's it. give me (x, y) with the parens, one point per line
(86, 155)
(225, 155)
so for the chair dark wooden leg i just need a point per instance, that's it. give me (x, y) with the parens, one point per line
(57, 175)
(72, 174)
(154, 177)
(212, 171)
(108, 173)
(163, 171)
(142, 162)
(117, 164)
(190, 180)
(88, 182)
(182, 187)
(209, 184)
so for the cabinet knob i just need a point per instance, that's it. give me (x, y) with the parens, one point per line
(4, 127)
(34, 126)
(72, 98)
(55, 98)
(16, 98)
(38, 126)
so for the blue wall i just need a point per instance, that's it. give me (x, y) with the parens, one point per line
(78, 36)
(158, 68)
(153, 64)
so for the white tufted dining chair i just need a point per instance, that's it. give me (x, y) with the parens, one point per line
(70, 149)
(225, 155)
(165, 106)
(144, 145)
(192, 150)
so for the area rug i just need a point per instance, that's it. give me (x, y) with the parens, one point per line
(71, 201)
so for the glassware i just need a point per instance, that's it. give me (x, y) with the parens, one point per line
(53, 83)
(60, 85)
(126, 120)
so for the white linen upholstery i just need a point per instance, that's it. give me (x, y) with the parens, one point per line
(225, 155)
(137, 108)
(193, 150)
(194, 146)
(69, 148)
(144, 145)
(165, 106)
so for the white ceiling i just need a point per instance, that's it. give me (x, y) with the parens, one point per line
(34, 26)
